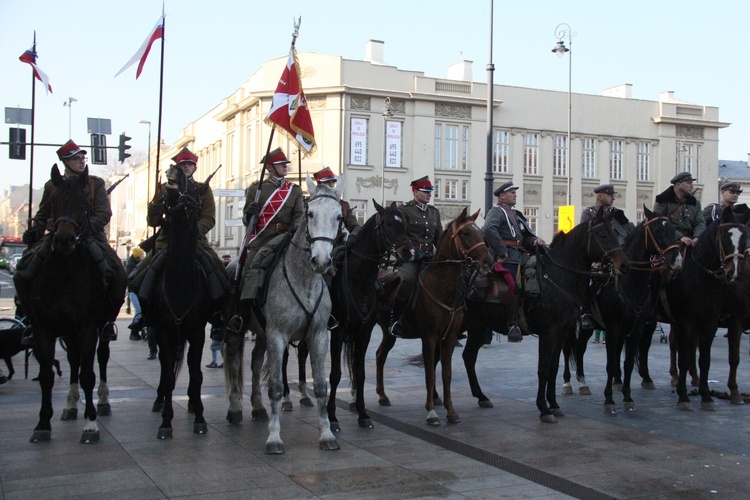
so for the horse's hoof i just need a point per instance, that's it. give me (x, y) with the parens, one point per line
(567, 390)
(685, 406)
(584, 390)
(104, 410)
(610, 409)
(90, 437)
(69, 414)
(454, 419)
(548, 419)
(191, 408)
(629, 406)
(708, 405)
(433, 421)
(437, 402)
(485, 404)
(259, 415)
(287, 406)
(736, 399)
(365, 423)
(329, 445)
(234, 417)
(353, 406)
(40, 436)
(306, 401)
(164, 433)
(157, 407)
(648, 385)
(557, 412)
(335, 427)
(384, 401)
(673, 382)
(200, 428)
(274, 448)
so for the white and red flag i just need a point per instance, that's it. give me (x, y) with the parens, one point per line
(156, 34)
(289, 107)
(29, 57)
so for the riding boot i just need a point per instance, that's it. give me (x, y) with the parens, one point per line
(511, 305)
(238, 323)
(218, 327)
(332, 323)
(137, 324)
(399, 306)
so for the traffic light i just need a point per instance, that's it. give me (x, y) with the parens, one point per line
(17, 144)
(98, 149)
(123, 147)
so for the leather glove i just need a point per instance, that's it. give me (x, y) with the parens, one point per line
(30, 236)
(252, 209)
(155, 213)
(350, 240)
(420, 255)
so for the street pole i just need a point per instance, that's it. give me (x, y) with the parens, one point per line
(563, 30)
(69, 104)
(148, 179)
(387, 113)
(488, 176)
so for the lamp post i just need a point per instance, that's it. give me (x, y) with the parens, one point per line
(69, 104)
(148, 178)
(387, 113)
(563, 30)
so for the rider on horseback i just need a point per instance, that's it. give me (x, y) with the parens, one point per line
(682, 208)
(510, 240)
(425, 231)
(730, 192)
(279, 207)
(100, 211)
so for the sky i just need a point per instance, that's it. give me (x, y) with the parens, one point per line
(691, 47)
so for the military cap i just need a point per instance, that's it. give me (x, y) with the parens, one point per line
(682, 177)
(185, 155)
(69, 149)
(731, 185)
(276, 157)
(605, 188)
(422, 184)
(324, 175)
(508, 186)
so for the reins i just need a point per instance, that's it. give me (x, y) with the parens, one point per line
(723, 256)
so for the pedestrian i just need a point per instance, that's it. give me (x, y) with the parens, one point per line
(135, 326)
(424, 229)
(510, 241)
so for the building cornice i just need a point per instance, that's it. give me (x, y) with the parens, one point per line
(671, 120)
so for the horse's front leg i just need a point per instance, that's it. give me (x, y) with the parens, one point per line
(167, 360)
(256, 367)
(334, 377)
(683, 351)
(302, 354)
(274, 365)
(704, 363)
(546, 348)
(474, 341)
(428, 354)
(88, 381)
(44, 348)
(103, 408)
(551, 393)
(234, 349)
(446, 360)
(286, 402)
(734, 334)
(381, 355)
(70, 412)
(318, 348)
(581, 344)
(631, 345)
(195, 403)
(361, 341)
(643, 347)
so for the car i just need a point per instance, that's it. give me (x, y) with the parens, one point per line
(13, 262)
(3, 263)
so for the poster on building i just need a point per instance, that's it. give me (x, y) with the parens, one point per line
(358, 142)
(566, 217)
(393, 144)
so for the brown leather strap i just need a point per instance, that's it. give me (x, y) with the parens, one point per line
(425, 247)
(512, 243)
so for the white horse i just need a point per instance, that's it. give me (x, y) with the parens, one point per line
(298, 307)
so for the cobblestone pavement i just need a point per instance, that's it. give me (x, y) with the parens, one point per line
(501, 452)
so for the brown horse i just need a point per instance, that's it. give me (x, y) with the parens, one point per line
(440, 302)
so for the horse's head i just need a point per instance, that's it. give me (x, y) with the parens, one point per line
(70, 210)
(463, 240)
(602, 242)
(180, 195)
(324, 220)
(731, 242)
(659, 236)
(391, 227)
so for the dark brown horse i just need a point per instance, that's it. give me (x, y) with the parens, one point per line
(436, 319)
(66, 299)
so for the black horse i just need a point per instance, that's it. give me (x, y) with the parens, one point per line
(180, 305)
(66, 299)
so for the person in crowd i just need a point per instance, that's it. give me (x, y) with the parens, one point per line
(682, 208)
(135, 258)
(730, 192)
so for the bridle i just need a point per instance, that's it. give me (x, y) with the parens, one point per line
(593, 231)
(310, 239)
(648, 236)
(78, 228)
(720, 272)
(464, 252)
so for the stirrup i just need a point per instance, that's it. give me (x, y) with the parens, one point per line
(109, 332)
(514, 334)
(396, 330)
(587, 321)
(235, 325)
(333, 323)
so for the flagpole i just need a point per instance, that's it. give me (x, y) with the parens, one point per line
(161, 98)
(31, 156)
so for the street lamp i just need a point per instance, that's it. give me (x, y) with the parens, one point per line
(387, 113)
(69, 104)
(563, 30)
(148, 178)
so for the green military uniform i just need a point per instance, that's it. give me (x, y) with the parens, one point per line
(685, 215)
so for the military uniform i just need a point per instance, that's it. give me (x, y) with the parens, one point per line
(621, 226)
(685, 215)
(507, 232)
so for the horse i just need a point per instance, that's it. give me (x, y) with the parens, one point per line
(66, 299)
(711, 266)
(624, 306)
(179, 307)
(298, 306)
(440, 302)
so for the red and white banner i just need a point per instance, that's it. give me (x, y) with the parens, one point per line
(29, 57)
(289, 107)
(156, 34)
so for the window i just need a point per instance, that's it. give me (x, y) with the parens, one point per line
(451, 189)
(358, 141)
(560, 164)
(228, 215)
(500, 152)
(464, 190)
(438, 188)
(532, 217)
(692, 159)
(531, 154)
(588, 159)
(643, 161)
(615, 159)
(451, 147)
(359, 209)
(555, 221)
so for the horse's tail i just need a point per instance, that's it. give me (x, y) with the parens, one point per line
(571, 348)
(179, 357)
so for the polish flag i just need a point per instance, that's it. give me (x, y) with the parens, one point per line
(29, 57)
(156, 34)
